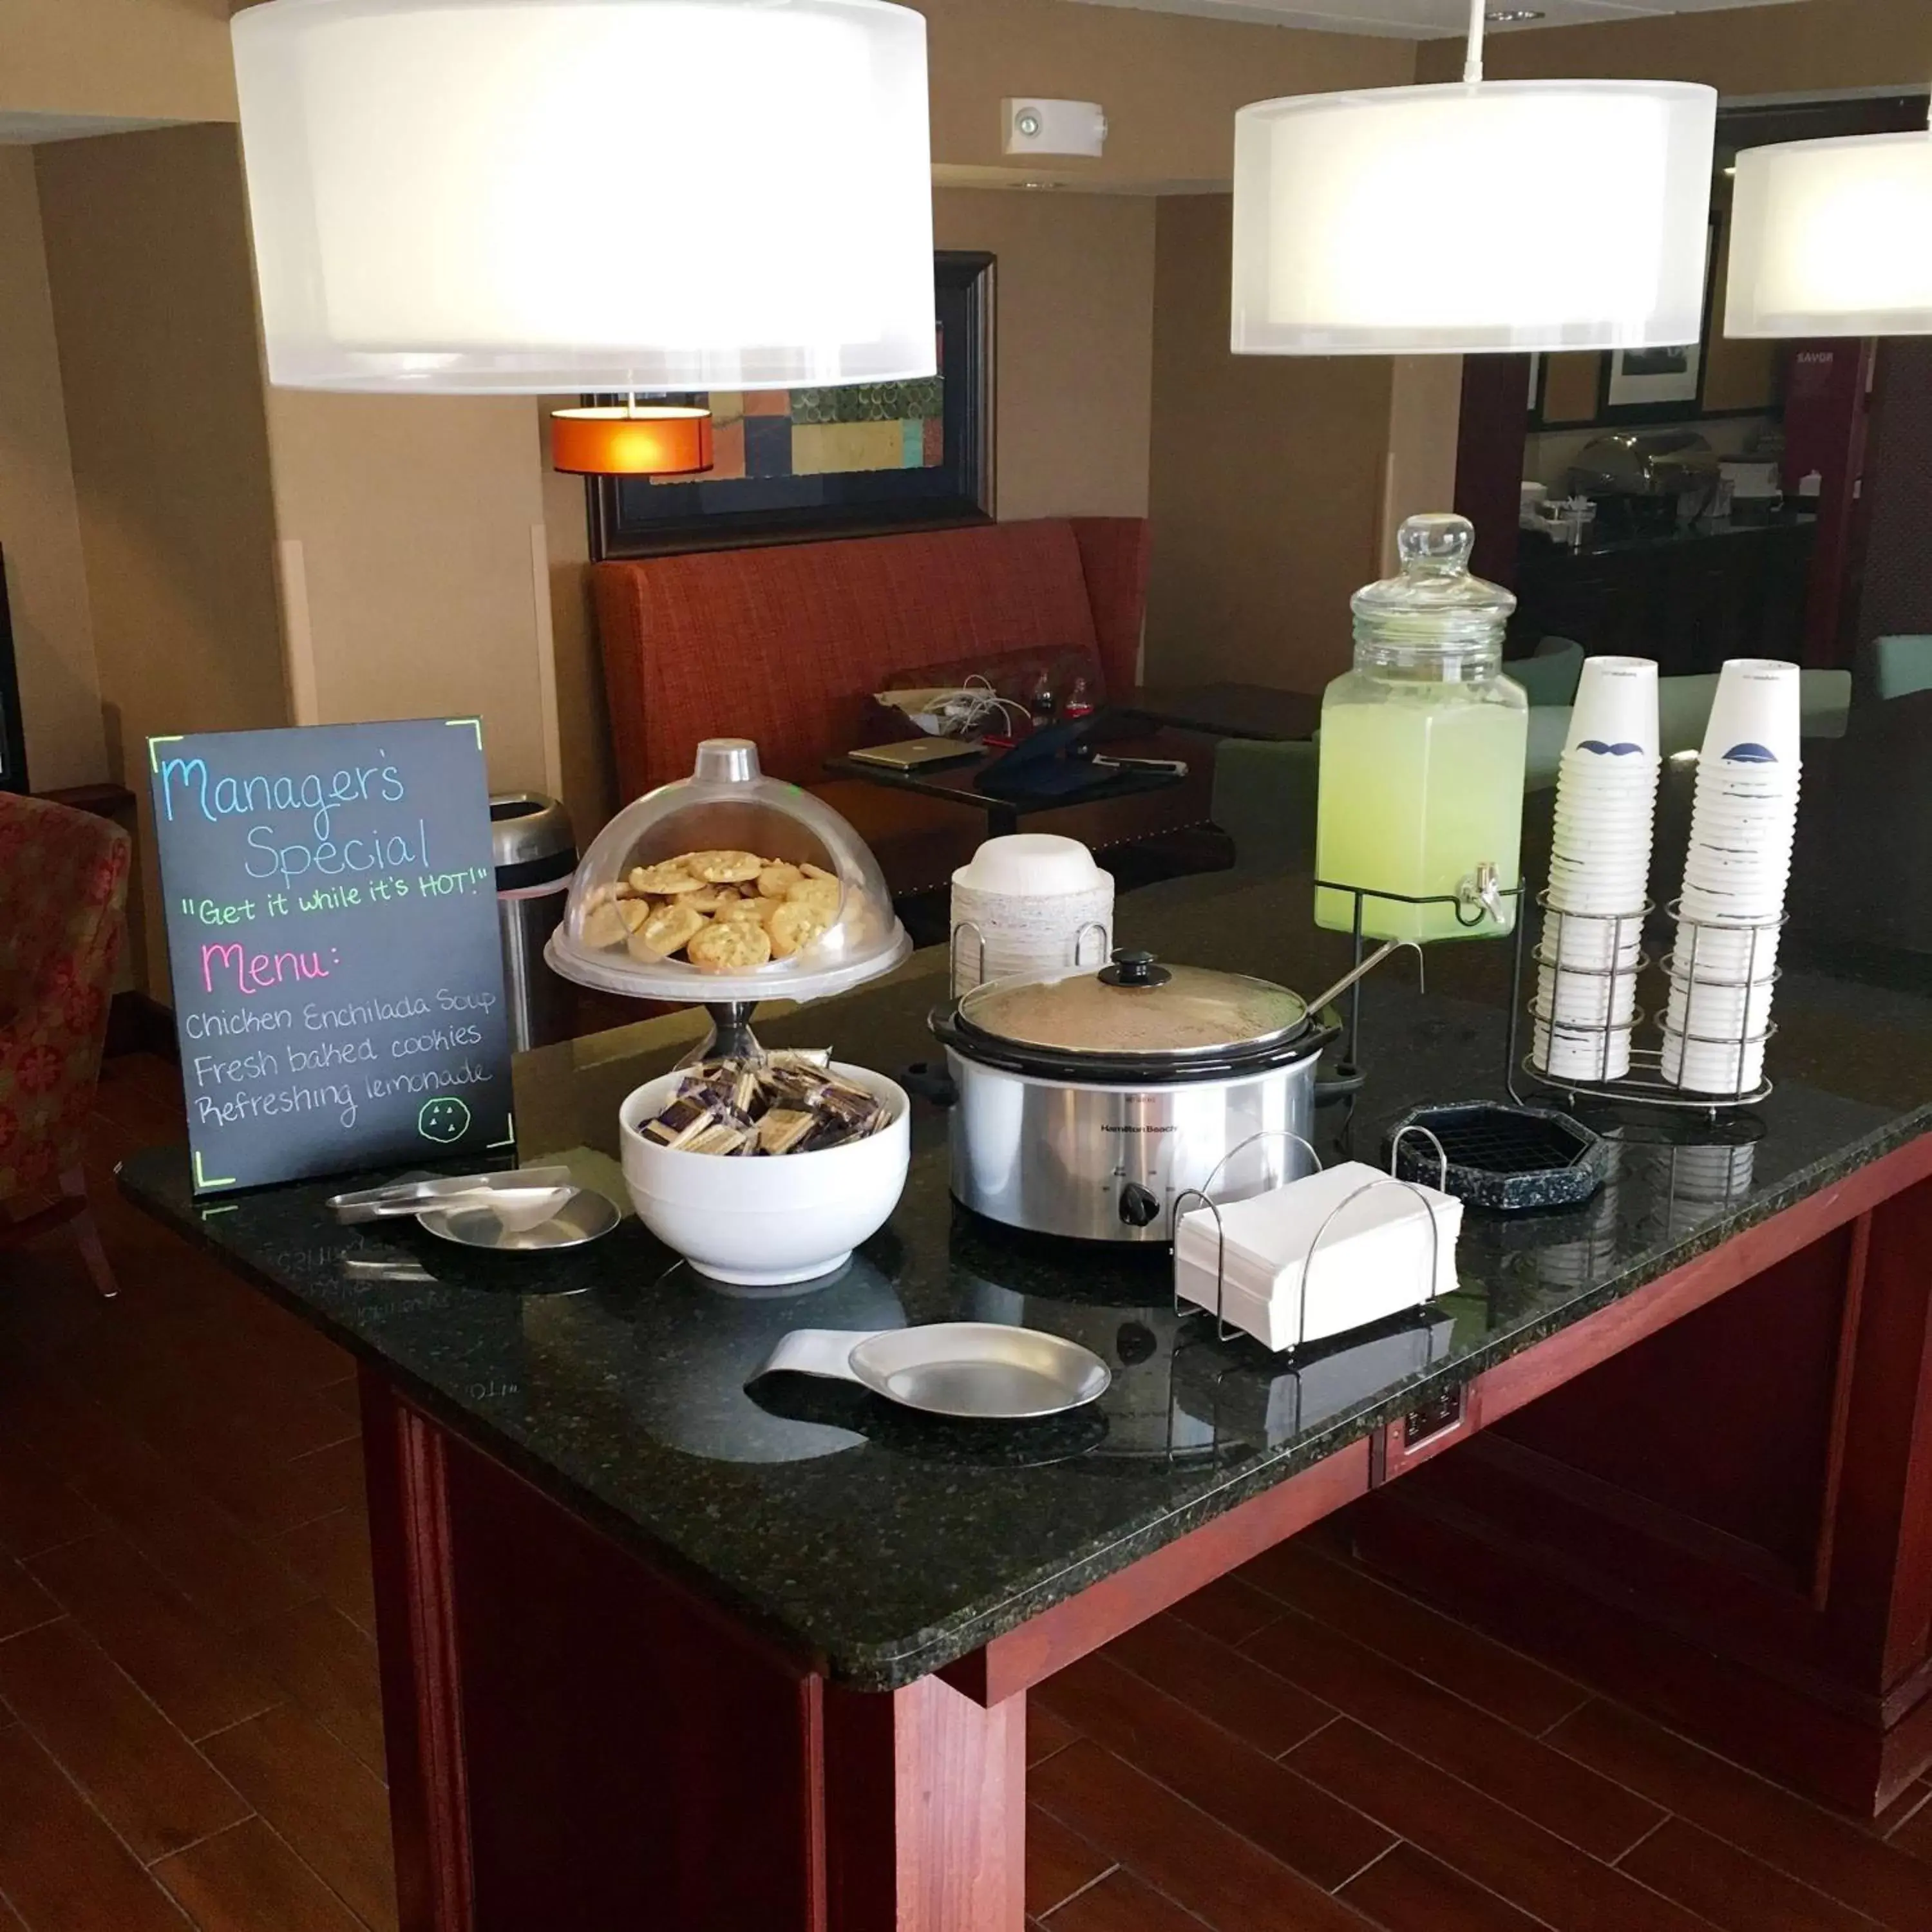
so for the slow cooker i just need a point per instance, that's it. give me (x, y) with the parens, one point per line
(1085, 1103)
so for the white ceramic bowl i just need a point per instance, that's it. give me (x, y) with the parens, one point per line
(767, 1221)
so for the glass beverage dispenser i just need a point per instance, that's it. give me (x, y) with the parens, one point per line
(1422, 749)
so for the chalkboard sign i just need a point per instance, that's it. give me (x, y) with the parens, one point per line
(332, 916)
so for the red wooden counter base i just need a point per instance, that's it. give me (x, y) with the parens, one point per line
(1731, 1521)
(1730, 1524)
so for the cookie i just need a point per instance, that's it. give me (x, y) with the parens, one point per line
(822, 895)
(795, 925)
(634, 913)
(723, 868)
(604, 925)
(778, 879)
(672, 877)
(812, 872)
(713, 899)
(597, 895)
(749, 912)
(730, 945)
(668, 931)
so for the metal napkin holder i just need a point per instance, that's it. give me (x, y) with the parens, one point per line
(1223, 1332)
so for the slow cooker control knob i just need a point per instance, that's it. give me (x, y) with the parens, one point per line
(1134, 969)
(1138, 1208)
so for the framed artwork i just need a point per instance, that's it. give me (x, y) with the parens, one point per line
(12, 730)
(858, 460)
(1642, 379)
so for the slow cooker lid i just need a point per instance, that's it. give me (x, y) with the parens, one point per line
(1138, 1009)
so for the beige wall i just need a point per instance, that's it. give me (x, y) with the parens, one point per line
(1813, 47)
(164, 58)
(1074, 339)
(152, 301)
(1268, 476)
(405, 524)
(40, 526)
(1170, 83)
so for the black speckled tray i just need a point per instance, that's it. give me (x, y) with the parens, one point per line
(1501, 1157)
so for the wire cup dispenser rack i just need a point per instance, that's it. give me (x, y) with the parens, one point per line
(1223, 1332)
(1646, 1083)
(1480, 898)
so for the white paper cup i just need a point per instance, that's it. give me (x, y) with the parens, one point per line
(1718, 1071)
(1718, 1015)
(1710, 952)
(1615, 714)
(1565, 1055)
(1585, 999)
(1754, 722)
(1590, 944)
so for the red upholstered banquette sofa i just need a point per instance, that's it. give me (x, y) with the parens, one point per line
(785, 644)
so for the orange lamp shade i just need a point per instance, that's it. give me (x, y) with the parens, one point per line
(656, 441)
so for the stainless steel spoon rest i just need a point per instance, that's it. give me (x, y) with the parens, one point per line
(982, 1371)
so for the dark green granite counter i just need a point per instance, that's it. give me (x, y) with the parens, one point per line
(882, 1545)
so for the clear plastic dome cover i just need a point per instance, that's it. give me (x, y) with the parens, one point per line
(727, 886)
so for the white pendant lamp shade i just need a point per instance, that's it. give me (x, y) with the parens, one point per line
(1419, 220)
(1832, 238)
(545, 195)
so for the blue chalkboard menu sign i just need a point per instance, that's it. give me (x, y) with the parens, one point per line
(331, 917)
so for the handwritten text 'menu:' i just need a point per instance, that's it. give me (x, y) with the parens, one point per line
(239, 970)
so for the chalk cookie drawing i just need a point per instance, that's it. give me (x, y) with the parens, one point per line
(445, 1118)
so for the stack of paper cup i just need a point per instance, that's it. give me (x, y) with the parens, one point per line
(1599, 867)
(1031, 904)
(1743, 817)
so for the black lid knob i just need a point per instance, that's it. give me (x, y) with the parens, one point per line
(1134, 969)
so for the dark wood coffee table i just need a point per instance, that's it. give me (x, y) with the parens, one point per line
(1227, 710)
(1130, 806)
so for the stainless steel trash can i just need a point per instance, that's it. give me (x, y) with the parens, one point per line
(535, 855)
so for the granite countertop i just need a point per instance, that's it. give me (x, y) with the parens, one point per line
(879, 1546)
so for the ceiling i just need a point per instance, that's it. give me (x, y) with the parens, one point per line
(1422, 19)
(18, 130)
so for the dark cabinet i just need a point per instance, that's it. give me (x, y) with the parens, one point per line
(1689, 599)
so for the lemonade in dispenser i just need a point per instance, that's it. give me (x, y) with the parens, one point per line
(1422, 749)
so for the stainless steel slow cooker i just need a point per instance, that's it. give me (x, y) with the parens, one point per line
(1087, 1102)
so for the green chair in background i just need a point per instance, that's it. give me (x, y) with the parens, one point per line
(1550, 677)
(1900, 665)
(1684, 707)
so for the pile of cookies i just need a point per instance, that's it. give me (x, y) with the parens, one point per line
(786, 1102)
(723, 912)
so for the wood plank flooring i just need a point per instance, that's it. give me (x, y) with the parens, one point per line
(190, 1734)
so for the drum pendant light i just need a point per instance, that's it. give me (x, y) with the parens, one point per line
(1407, 221)
(614, 196)
(637, 440)
(1832, 238)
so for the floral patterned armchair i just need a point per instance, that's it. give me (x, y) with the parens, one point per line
(63, 891)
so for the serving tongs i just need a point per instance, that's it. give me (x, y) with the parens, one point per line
(514, 1188)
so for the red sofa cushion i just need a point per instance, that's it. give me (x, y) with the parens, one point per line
(785, 644)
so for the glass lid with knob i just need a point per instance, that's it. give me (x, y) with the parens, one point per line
(1435, 602)
(1138, 1009)
(726, 888)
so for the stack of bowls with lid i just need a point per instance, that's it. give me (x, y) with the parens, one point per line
(1743, 820)
(1029, 904)
(1599, 867)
